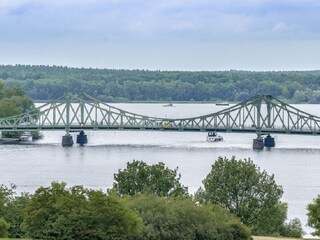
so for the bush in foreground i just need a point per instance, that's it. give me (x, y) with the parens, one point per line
(57, 212)
(4, 226)
(180, 219)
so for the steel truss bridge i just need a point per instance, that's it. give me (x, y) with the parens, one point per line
(78, 112)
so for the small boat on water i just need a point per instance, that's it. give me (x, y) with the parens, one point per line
(222, 104)
(26, 137)
(214, 137)
(168, 105)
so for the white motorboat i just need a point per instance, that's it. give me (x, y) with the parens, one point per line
(214, 137)
(26, 137)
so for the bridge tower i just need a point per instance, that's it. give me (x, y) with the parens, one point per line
(258, 142)
(81, 137)
(67, 140)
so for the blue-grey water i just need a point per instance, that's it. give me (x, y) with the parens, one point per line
(295, 161)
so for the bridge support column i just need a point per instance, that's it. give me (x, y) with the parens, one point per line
(82, 138)
(258, 143)
(67, 140)
(269, 141)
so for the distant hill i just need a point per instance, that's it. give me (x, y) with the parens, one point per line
(51, 82)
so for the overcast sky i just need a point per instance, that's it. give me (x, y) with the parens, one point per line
(162, 34)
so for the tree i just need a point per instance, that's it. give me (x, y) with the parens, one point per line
(314, 215)
(180, 218)
(4, 226)
(139, 177)
(251, 194)
(13, 101)
(293, 228)
(12, 209)
(14, 214)
(57, 212)
(6, 195)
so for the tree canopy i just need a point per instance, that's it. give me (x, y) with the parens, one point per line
(180, 218)
(57, 212)
(251, 194)
(51, 82)
(140, 177)
(314, 215)
(13, 101)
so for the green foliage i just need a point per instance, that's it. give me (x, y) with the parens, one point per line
(140, 177)
(6, 195)
(314, 215)
(292, 229)
(14, 214)
(12, 209)
(251, 194)
(4, 226)
(13, 101)
(45, 82)
(182, 219)
(57, 212)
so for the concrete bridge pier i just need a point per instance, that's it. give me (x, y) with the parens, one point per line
(67, 140)
(82, 138)
(258, 143)
(269, 141)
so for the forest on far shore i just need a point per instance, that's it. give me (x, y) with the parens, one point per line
(111, 85)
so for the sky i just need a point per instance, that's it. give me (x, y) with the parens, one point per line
(190, 35)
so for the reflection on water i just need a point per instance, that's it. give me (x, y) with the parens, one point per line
(295, 161)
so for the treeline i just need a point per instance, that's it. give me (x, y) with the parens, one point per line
(51, 82)
(148, 202)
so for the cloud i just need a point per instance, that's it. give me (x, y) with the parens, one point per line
(116, 24)
(281, 27)
(164, 19)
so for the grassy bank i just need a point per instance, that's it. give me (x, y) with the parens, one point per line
(280, 238)
(254, 238)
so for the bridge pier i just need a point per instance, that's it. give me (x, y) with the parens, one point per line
(67, 140)
(269, 141)
(82, 138)
(258, 143)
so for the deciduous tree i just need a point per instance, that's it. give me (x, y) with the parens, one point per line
(180, 218)
(57, 212)
(140, 177)
(251, 194)
(314, 215)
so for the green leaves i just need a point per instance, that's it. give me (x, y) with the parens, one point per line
(4, 226)
(314, 215)
(57, 212)
(240, 186)
(180, 218)
(139, 177)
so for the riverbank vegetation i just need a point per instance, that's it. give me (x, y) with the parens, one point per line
(51, 82)
(149, 202)
(14, 101)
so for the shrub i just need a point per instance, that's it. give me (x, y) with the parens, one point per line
(4, 226)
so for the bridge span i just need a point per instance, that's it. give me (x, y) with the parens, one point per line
(262, 114)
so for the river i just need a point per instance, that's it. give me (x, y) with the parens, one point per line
(295, 161)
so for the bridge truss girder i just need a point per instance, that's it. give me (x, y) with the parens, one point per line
(260, 114)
